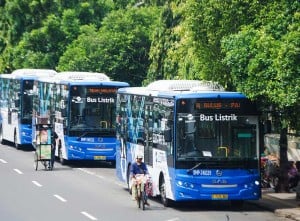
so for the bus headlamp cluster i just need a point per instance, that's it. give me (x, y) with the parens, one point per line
(185, 184)
(75, 148)
(25, 134)
(251, 185)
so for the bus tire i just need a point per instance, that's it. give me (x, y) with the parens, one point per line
(1, 136)
(16, 145)
(162, 189)
(60, 156)
(128, 181)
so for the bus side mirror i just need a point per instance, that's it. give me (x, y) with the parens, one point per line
(168, 135)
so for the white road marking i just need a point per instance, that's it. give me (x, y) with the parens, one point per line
(18, 171)
(86, 171)
(120, 184)
(173, 219)
(91, 173)
(60, 198)
(88, 215)
(99, 176)
(2, 161)
(37, 183)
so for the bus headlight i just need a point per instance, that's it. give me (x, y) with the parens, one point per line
(185, 184)
(75, 148)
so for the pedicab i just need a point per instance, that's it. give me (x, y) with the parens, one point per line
(43, 145)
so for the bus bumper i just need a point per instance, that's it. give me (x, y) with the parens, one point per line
(91, 151)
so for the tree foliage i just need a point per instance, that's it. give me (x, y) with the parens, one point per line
(36, 33)
(264, 58)
(120, 47)
(249, 46)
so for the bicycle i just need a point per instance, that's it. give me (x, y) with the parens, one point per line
(143, 185)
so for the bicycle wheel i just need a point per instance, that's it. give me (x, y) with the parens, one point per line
(144, 199)
(35, 156)
(139, 198)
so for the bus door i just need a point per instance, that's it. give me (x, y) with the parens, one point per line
(244, 142)
(12, 110)
(148, 133)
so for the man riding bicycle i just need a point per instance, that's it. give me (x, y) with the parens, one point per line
(138, 171)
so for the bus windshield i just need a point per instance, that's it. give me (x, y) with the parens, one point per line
(216, 136)
(92, 109)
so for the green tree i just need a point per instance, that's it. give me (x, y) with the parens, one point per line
(120, 48)
(54, 24)
(264, 62)
(42, 47)
(76, 56)
(163, 44)
(188, 42)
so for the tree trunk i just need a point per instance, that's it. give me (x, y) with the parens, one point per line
(283, 176)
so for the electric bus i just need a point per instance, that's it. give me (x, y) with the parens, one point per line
(16, 105)
(199, 142)
(81, 108)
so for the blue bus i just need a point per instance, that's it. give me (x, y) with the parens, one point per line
(81, 108)
(16, 105)
(198, 141)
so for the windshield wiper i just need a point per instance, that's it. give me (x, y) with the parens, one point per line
(194, 167)
(82, 135)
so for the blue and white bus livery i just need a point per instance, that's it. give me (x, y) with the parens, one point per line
(199, 142)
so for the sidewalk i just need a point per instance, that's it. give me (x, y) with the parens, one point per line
(282, 204)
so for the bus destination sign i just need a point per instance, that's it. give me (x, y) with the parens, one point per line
(218, 105)
(102, 90)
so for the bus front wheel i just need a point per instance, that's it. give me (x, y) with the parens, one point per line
(17, 146)
(128, 180)
(1, 136)
(163, 195)
(60, 155)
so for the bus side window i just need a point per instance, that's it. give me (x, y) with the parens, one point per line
(17, 103)
(168, 135)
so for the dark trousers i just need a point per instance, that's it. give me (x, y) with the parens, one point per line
(52, 156)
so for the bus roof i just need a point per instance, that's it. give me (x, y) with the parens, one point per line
(72, 76)
(32, 73)
(29, 74)
(5, 76)
(184, 85)
(182, 89)
(82, 78)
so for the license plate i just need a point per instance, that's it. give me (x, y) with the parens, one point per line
(219, 196)
(99, 157)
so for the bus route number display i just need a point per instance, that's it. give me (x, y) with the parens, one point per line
(217, 105)
(102, 90)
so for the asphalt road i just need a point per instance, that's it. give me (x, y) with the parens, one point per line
(90, 191)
